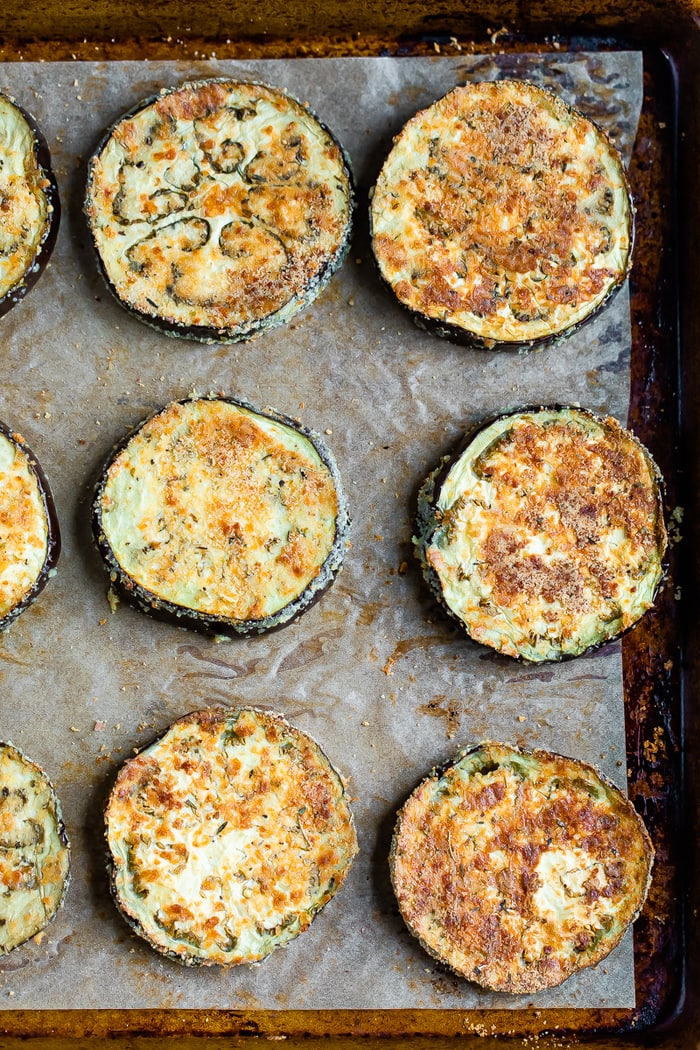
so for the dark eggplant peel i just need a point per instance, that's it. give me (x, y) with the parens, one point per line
(30, 541)
(29, 208)
(34, 850)
(219, 209)
(518, 868)
(227, 836)
(220, 517)
(544, 534)
(502, 216)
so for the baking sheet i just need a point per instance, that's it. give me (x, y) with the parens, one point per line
(374, 671)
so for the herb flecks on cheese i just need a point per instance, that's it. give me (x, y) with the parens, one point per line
(213, 507)
(227, 836)
(24, 528)
(34, 853)
(24, 207)
(518, 868)
(546, 535)
(220, 206)
(502, 212)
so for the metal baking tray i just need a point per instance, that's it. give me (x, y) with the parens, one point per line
(660, 661)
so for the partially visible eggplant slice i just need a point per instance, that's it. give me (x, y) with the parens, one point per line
(227, 836)
(29, 206)
(544, 535)
(30, 539)
(34, 850)
(219, 517)
(502, 216)
(518, 868)
(219, 209)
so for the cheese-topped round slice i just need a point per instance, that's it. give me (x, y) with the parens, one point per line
(28, 203)
(219, 209)
(502, 216)
(29, 535)
(34, 851)
(227, 836)
(221, 517)
(517, 868)
(544, 536)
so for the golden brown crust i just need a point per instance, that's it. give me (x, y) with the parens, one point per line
(518, 868)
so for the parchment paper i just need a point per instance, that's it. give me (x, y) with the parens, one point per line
(374, 671)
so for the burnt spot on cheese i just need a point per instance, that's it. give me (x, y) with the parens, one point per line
(502, 215)
(227, 836)
(545, 536)
(517, 868)
(34, 850)
(29, 532)
(219, 209)
(29, 209)
(223, 517)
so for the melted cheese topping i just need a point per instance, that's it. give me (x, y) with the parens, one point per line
(547, 536)
(503, 212)
(23, 526)
(220, 205)
(227, 836)
(24, 208)
(34, 855)
(518, 868)
(215, 508)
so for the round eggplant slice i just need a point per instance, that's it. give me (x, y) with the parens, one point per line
(502, 216)
(221, 518)
(227, 836)
(29, 208)
(517, 868)
(30, 541)
(34, 850)
(219, 209)
(544, 535)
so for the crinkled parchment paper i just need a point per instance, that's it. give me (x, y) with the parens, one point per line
(374, 671)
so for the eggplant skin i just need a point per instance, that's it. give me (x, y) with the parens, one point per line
(218, 209)
(518, 868)
(34, 849)
(226, 836)
(30, 528)
(544, 534)
(502, 217)
(32, 210)
(259, 543)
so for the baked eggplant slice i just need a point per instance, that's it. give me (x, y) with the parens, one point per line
(502, 216)
(34, 850)
(219, 209)
(226, 837)
(29, 208)
(220, 517)
(544, 535)
(517, 868)
(30, 541)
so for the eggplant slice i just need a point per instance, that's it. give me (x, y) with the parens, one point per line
(29, 208)
(517, 868)
(502, 216)
(30, 541)
(219, 209)
(221, 518)
(544, 535)
(34, 850)
(226, 837)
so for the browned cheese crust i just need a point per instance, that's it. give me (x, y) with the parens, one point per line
(502, 212)
(518, 868)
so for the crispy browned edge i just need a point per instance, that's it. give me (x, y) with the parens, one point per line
(529, 982)
(671, 42)
(208, 717)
